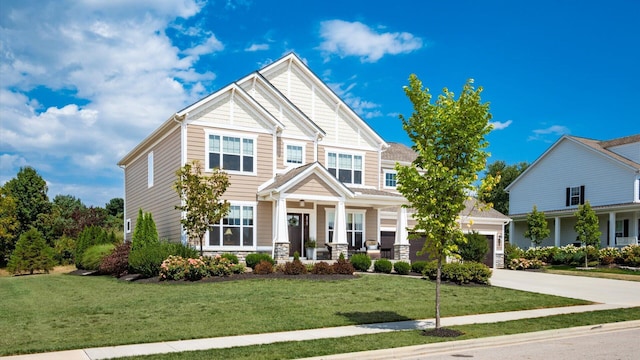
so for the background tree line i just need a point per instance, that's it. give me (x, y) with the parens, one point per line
(25, 205)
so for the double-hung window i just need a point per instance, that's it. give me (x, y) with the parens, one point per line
(355, 228)
(346, 167)
(235, 229)
(231, 153)
(575, 195)
(390, 179)
(295, 155)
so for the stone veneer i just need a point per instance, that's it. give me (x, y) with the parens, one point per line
(281, 252)
(499, 261)
(401, 252)
(338, 249)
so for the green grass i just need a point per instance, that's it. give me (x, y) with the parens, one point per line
(299, 349)
(601, 272)
(57, 312)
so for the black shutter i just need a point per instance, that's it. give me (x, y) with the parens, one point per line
(625, 230)
(568, 198)
(582, 195)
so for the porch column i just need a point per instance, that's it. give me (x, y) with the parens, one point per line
(340, 245)
(612, 228)
(556, 234)
(281, 238)
(401, 245)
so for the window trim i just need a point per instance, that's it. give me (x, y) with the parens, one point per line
(384, 178)
(339, 152)
(570, 196)
(150, 169)
(242, 205)
(242, 137)
(285, 154)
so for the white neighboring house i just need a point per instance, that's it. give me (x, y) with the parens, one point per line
(575, 170)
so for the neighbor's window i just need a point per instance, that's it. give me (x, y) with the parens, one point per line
(390, 179)
(231, 153)
(294, 154)
(346, 167)
(235, 229)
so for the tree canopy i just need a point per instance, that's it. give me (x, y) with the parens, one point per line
(537, 228)
(201, 196)
(588, 228)
(29, 190)
(449, 139)
(497, 196)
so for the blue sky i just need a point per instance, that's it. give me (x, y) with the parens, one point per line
(82, 82)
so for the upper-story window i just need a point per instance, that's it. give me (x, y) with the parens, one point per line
(346, 167)
(575, 195)
(231, 153)
(294, 155)
(390, 179)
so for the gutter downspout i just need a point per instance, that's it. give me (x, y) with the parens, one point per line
(183, 160)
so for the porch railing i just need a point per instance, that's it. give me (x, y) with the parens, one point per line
(624, 241)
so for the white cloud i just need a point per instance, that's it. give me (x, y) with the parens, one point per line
(366, 109)
(357, 39)
(257, 47)
(555, 130)
(497, 125)
(114, 60)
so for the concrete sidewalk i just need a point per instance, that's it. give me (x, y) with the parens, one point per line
(611, 294)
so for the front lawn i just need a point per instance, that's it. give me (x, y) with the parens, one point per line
(56, 312)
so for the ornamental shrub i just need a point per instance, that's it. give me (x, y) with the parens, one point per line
(609, 255)
(473, 247)
(418, 266)
(90, 236)
(480, 273)
(64, 249)
(295, 267)
(145, 231)
(173, 268)
(361, 262)
(383, 266)
(402, 267)
(254, 259)
(430, 270)
(195, 269)
(343, 267)
(322, 268)
(233, 258)
(455, 272)
(264, 267)
(179, 249)
(630, 255)
(146, 261)
(117, 262)
(93, 256)
(31, 254)
(512, 252)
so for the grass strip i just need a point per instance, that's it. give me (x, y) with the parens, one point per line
(310, 348)
(604, 273)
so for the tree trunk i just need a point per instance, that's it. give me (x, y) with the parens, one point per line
(201, 240)
(586, 255)
(438, 278)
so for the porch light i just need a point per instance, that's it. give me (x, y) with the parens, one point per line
(301, 202)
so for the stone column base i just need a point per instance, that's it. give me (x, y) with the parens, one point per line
(401, 252)
(338, 249)
(281, 252)
(499, 261)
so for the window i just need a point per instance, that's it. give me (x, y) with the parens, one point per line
(294, 154)
(150, 169)
(622, 228)
(390, 179)
(346, 167)
(128, 227)
(231, 153)
(575, 195)
(235, 229)
(355, 228)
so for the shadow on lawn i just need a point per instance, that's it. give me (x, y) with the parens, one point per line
(385, 320)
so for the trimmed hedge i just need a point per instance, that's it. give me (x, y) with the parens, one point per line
(418, 266)
(459, 273)
(360, 262)
(402, 267)
(254, 259)
(383, 266)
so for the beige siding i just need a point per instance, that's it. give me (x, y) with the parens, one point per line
(264, 234)
(160, 199)
(321, 227)
(242, 187)
(371, 225)
(282, 152)
(313, 185)
(371, 165)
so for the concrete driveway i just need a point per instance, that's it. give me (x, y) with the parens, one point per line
(606, 291)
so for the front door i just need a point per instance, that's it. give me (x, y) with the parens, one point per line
(298, 232)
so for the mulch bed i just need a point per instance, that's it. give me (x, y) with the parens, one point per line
(442, 332)
(251, 276)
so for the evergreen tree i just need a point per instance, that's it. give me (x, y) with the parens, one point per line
(31, 254)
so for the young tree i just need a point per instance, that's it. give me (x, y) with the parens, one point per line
(588, 229)
(506, 173)
(201, 199)
(537, 228)
(32, 253)
(449, 138)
